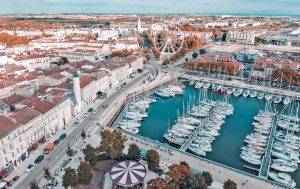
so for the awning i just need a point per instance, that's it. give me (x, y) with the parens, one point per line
(49, 146)
(2, 184)
(9, 178)
(3, 173)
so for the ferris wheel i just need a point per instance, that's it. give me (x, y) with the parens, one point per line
(169, 40)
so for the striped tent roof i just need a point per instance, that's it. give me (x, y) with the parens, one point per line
(128, 173)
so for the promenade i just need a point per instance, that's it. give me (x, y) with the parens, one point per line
(220, 173)
(239, 84)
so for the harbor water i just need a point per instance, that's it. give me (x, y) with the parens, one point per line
(226, 148)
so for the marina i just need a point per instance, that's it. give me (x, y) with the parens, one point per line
(228, 139)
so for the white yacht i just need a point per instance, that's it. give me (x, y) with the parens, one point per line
(283, 178)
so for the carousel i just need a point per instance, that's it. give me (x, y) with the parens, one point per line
(128, 174)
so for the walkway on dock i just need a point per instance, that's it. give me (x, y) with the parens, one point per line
(239, 84)
(196, 131)
(266, 161)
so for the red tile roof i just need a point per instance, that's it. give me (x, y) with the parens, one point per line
(25, 115)
(84, 81)
(43, 106)
(6, 126)
(30, 100)
(56, 76)
(15, 99)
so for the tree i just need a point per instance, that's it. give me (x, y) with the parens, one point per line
(112, 143)
(186, 59)
(84, 173)
(195, 181)
(152, 158)
(156, 52)
(195, 55)
(133, 151)
(193, 42)
(70, 151)
(122, 53)
(34, 185)
(65, 60)
(179, 173)
(10, 40)
(148, 57)
(83, 135)
(157, 183)
(90, 154)
(202, 51)
(207, 177)
(145, 50)
(140, 40)
(70, 177)
(47, 173)
(229, 184)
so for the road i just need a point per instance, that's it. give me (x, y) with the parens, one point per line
(60, 150)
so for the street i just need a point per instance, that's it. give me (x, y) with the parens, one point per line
(60, 150)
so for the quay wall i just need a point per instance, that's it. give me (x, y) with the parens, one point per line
(236, 83)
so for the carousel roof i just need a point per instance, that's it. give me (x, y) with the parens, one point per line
(128, 173)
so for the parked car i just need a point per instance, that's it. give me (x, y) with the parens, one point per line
(86, 114)
(39, 159)
(104, 106)
(76, 123)
(48, 148)
(94, 110)
(30, 167)
(62, 136)
(56, 142)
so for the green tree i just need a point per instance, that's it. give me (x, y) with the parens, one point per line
(152, 157)
(133, 151)
(90, 154)
(186, 59)
(70, 151)
(47, 173)
(195, 181)
(83, 134)
(195, 55)
(34, 185)
(207, 177)
(84, 173)
(112, 143)
(202, 51)
(70, 177)
(229, 184)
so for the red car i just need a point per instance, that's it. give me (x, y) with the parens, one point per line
(56, 142)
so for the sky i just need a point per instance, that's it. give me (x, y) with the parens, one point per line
(269, 7)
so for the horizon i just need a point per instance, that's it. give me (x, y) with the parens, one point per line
(215, 7)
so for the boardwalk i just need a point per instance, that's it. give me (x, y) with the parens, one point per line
(239, 84)
(196, 132)
(266, 161)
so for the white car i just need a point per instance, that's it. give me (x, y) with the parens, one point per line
(30, 167)
(85, 114)
(94, 110)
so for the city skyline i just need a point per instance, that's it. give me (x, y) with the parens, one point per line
(254, 7)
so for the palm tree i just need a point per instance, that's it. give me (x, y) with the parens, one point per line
(47, 173)
(34, 185)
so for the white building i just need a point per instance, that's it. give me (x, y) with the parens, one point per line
(32, 62)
